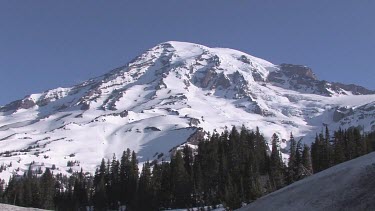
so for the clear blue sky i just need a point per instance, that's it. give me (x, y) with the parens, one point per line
(47, 44)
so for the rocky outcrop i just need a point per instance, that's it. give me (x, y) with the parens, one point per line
(298, 71)
(19, 104)
(355, 89)
(196, 137)
(303, 79)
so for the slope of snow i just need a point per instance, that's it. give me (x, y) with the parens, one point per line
(159, 100)
(347, 186)
(7, 207)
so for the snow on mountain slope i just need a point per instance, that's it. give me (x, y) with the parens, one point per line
(347, 186)
(166, 95)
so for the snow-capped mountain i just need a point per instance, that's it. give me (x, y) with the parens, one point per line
(169, 95)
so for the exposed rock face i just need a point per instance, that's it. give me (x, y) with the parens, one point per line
(355, 89)
(194, 122)
(298, 71)
(222, 81)
(196, 137)
(124, 114)
(19, 104)
(342, 112)
(303, 79)
(209, 76)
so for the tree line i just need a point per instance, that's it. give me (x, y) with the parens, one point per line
(231, 168)
(344, 145)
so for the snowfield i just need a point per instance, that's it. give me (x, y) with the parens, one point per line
(163, 98)
(347, 186)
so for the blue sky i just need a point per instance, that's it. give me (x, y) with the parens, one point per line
(47, 44)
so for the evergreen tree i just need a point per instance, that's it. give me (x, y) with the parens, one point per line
(125, 169)
(165, 194)
(276, 165)
(306, 161)
(80, 194)
(100, 198)
(315, 155)
(144, 193)
(132, 182)
(156, 182)
(298, 164)
(292, 162)
(181, 186)
(328, 149)
(114, 183)
(338, 148)
(47, 189)
(232, 198)
(188, 159)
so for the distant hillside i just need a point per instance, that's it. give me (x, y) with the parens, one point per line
(347, 186)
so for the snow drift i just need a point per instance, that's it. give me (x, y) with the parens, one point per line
(347, 186)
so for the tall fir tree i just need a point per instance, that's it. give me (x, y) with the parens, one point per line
(276, 164)
(292, 162)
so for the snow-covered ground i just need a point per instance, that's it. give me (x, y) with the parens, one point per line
(158, 100)
(6, 207)
(347, 186)
(218, 208)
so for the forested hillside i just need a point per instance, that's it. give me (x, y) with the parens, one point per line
(230, 168)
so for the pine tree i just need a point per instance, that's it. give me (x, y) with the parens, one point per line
(188, 159)
(298, 164)
(232, 198)
(306, 161)
(198, 184)
(47, 189)
(338, 148)
(165, 194)
(114, 183)
(328, 148)
(181, 186)
(144, 192)
(27, 188)
(276, 164)
(132, 182)
(292, 163)
(315, 155)
(156, 182)
(125, 168)
(100, 198)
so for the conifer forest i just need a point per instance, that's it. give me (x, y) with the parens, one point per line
(228, 169)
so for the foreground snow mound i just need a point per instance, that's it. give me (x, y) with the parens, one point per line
(347, 186)
(170, 94)
(7, 207)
